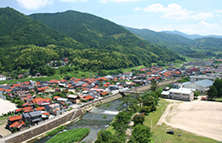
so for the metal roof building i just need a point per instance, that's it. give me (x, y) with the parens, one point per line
(202, 85)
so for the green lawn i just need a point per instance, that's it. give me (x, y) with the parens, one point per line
(153, 117)
(130, 69)
(218, 99)
(159, 132)
(160, 136)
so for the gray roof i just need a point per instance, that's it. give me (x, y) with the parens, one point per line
(186, 83)
(35, 113)
(26, 115)
(205, 83)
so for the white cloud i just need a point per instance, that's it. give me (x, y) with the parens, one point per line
(175, 11)
(203, 15)
(218, 11)
(137, 9)
(33, 4)
(73, 0)
(154, 8)
(116, 1)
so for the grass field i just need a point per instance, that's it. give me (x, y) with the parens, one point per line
(130, 69)
(74, 135)
(159, 132)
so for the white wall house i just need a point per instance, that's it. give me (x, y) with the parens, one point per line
(181, 94)
(2, 77)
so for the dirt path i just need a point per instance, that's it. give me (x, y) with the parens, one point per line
(199, 117)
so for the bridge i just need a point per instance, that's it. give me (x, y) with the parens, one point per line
(124, 92)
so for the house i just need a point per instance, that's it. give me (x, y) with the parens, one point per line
(181, 94)
(201, 77)
(127, 74)
(40, 109)
(73, 98)
(13, 119)
(87, 98)
(36, 116)
(26, 117)
(202, 85)
(45, 115)
(2, 78)
(53, 108)
(18, 125)
(177, 85)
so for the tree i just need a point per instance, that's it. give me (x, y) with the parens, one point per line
(138, 119)
(146, 109)
(218, 85)
(104, 136)
(121, 122)
(196, 94)
(153, 85)
(212, 92)
(126, 101)
(140, 134)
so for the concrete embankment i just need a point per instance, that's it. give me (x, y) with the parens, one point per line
(66, 117)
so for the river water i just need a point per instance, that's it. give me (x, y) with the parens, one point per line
(95, 120)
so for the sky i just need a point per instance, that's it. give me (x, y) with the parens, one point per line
(203, 17)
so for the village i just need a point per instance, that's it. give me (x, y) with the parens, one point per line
(42, 100)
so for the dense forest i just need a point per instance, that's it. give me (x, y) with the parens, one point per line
(182, 44)
(89, 42)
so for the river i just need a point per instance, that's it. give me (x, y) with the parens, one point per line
(97, 119)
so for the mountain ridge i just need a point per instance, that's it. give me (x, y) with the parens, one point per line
(90, 42)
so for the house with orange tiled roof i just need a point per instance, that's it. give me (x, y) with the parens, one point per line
(87, 98)
(17, 124)
(13, 119)
(102, 94)
(40, 109)
(54, 81)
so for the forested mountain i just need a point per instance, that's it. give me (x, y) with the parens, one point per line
(90, 43)
(101, 35)
(21, 39)
(193, 37)
(197, 48)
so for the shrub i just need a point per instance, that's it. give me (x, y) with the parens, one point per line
(55, 131)
(70, 136)
(138, 119)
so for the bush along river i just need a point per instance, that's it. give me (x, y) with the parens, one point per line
(98, 118)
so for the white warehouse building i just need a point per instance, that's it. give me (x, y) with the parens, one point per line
(202, 85)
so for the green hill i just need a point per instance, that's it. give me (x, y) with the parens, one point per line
(90, 43)
(105, 36)
(175, 42)
(196, 48)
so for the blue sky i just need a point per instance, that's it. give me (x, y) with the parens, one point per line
(202, 17)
